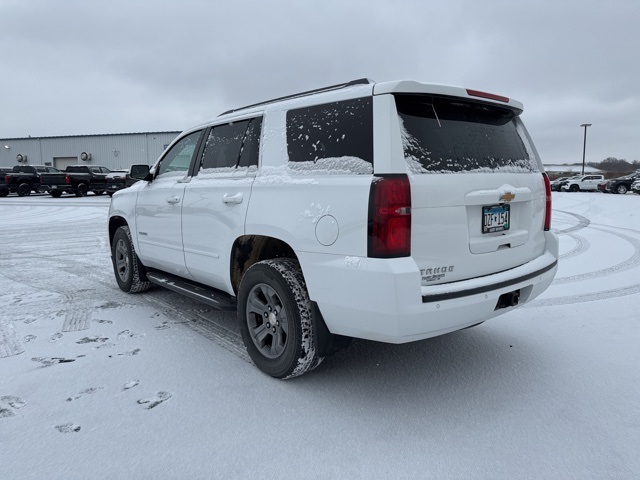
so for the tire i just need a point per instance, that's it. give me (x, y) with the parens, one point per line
(81, 190)
(129, 271)
(574, 188)
(24, 189)
(55, 193)
(275, 291)
(621, 189)
(4, 193)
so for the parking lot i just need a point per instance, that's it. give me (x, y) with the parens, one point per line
(95, 383)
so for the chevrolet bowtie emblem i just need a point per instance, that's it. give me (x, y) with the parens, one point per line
(507, 197)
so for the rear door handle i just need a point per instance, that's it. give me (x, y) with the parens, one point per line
(173, 199)
(232, 199)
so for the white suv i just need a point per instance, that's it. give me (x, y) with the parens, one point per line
(392, 211)
(583, 182)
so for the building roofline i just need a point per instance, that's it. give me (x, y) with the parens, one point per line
(176, 132)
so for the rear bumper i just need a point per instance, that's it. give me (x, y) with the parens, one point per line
(382, 300)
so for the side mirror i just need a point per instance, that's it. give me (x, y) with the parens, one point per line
(140, 172)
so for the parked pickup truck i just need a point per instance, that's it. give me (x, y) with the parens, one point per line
(78, 180)
(26, 178)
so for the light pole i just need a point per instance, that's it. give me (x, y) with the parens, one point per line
(584, 146)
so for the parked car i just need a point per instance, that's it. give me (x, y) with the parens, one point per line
(620, 185)
(24, 179)
(77, 180)
(119, 179)
(4, 190)
(635, 186)
(392, 211)
(582, 183)
(557, 183)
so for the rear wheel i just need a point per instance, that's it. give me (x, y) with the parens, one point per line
(129, 271)
(81, 190)
(275, 317)
(24, 189)
(621, 189)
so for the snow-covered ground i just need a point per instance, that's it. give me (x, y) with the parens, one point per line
(95, 383)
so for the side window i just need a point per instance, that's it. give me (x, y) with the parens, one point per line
(335, 137)
(224, 145)
(233, 145)
(179, 157)
(250, 153)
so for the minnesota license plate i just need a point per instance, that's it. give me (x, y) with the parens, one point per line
(495, 218)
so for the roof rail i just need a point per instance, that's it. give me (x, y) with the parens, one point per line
(359, 81)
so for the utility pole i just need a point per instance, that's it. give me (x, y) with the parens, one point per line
(584, 146)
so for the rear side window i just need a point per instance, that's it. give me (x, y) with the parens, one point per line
(446, 135)
(332, 138)
(232, 145)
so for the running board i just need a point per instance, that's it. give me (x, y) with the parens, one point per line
(201, 293)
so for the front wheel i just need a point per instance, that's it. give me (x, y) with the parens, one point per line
(55, 193)
(129, 271)
(275, 318)
(574, 188)
(622, 189)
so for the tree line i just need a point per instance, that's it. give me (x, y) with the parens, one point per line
(618, 165)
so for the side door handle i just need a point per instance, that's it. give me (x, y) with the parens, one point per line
(232, 199)
(173, 199)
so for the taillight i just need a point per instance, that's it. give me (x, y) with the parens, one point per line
(547, 209)
(67, 179)
(7, 178)
(389, 217)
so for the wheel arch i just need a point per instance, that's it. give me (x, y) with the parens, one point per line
(115, 222)
(250, 249)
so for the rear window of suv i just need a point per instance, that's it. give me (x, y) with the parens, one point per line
(450, 135)
(332, 138)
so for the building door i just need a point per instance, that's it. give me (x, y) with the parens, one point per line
(62, 162)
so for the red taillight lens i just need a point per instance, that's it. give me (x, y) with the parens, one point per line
(547, 210)
(490, 96)
(7, 178)
(390, 217)
(67, 179)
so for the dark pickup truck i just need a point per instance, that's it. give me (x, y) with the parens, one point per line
(78, 180)
(23, 179)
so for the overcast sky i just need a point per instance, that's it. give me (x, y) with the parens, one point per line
(87, 67)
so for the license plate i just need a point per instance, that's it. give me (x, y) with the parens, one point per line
(495, 218)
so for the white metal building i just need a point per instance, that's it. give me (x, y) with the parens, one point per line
(114, 151)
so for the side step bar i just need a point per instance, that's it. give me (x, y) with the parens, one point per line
(201, 293)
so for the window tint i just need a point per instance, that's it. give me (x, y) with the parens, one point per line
(336, 135)
(250, 152)
(179, 157)
(232, 145)
(447, 135)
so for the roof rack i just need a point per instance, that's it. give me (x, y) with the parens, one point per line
(359, 81)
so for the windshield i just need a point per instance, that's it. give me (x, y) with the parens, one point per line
(450, 135)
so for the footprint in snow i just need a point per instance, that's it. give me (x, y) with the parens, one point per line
(48, 361)
(87, 391)
(131, 384)
(68, 428)
(155, 401)
(127, 354)
(128, 334)
(108, 322)
(29, 338)
(13, 402)
(95, 339)
(55, 336)
(164, 326)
